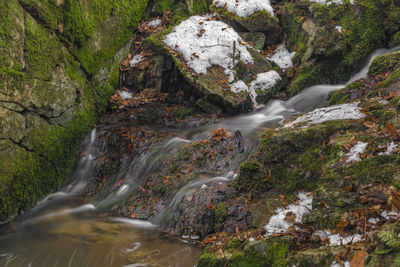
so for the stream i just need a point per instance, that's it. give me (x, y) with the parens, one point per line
(68, 229)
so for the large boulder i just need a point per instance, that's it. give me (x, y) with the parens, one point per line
(334, 39)
(49, 51)
(209, 57)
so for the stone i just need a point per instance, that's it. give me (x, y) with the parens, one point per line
(256, 38)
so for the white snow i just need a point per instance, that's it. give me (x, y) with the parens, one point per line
(390, 215)
(329, 2)
(245, 8)
(392, 146)
(339, 29)
(154, 23)
(356, 151)
(125, 95)
(337, 239)
(282, 57)
(239, 86)
(278, 224)
(135, 60)
(204, 42)
(373, 220)
(337, 112)
(264, 81)
(337, 264)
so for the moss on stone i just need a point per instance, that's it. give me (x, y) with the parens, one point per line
(385, 63)
(94, 29)
(209, 260)
(330, 57)
(31, 175)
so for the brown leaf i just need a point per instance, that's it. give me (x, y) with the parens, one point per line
(358, 259)
(283, 200)
(371, 125)
(391, 129)
(290, 217)
(394, 93)
(395, 199)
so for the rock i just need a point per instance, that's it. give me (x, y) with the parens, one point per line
(47, 101)
(158, 71)
(257, 38)
(327, 55)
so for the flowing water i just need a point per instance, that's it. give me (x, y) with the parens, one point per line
(67, 229)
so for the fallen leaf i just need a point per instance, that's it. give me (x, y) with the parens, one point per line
(119, 182)
(358, 259)
(283, 200)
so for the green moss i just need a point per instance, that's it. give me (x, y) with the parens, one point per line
(183, 112)
(94, 29)
(209, 260)
(385, 63)
(205, 106)
(198, 6)
(220, 213)
(332, 58)
(34, 175)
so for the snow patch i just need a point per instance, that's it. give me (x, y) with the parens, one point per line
(278, 224)
(337, 264)
(135, 60)
(339, 29)
(392, 146)
(390, 215)
(154, 23)
(329, 2)
(282, 57)
(356, 151)
(337, 239)
(245, 8)
(337, 112)
(204, 42)
(125, 95)
(239, 86)
(264, 81)
(373, 220)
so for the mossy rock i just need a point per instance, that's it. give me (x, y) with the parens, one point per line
(385, 63)
(43, 88)
(94, 29)
(326, 55)
(207, 86)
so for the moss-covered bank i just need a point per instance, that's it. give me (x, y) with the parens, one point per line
(58, 67)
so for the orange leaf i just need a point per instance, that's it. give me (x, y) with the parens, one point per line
(166, 179)
(391, 129)
(119, 182)
(358, 259)
(133, 215)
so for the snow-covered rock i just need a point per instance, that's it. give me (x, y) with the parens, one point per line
(245, 8)
(204, 42)
(338, 112)
(282, 57)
